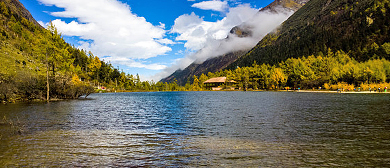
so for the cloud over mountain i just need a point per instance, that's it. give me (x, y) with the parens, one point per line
(209, 40)
(196, 32)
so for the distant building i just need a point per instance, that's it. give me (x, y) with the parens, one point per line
(219, 83)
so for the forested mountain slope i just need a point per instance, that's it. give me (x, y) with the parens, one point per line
(360, 28)
(31, 57)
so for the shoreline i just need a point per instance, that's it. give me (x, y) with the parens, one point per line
(297, 91)
(302, 91)
(342, 92)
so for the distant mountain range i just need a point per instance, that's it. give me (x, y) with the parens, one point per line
(244, 30)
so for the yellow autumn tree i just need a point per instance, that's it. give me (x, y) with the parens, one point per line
(76, 80)
(195, 84)
(278, 78)
(94, 67)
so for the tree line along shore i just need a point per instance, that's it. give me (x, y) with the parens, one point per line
(330, 71)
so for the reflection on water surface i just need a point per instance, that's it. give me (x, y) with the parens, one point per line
(228, 129)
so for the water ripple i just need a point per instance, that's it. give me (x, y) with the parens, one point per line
(193, 129)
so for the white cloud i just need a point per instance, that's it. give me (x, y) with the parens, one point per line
(162, 25)
(113, 29)
(165, 41)
(214, 5)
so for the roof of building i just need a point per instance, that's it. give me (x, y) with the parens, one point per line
(216, 80)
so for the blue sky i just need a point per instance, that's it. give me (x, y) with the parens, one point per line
(144, 36)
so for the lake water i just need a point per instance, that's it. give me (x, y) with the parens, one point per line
(194, 129)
